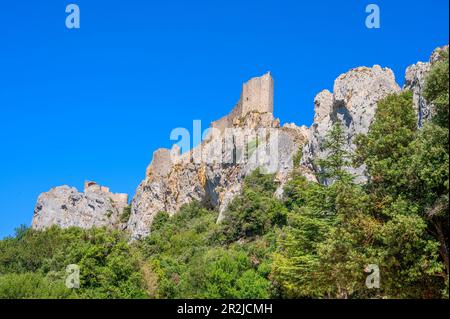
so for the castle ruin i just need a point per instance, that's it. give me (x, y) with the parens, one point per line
(256, 96)
(119, 198)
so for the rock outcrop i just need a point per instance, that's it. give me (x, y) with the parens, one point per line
(353, 102)
(247, 138)
(65, 206)
(415, 82)
(257, 97)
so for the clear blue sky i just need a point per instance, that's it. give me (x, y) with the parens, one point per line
(94, 103)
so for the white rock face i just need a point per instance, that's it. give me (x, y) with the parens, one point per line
(65, 206)
(247, 138)
(415, 82)
(353, 102)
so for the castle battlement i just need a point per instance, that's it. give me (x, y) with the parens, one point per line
(257, 96)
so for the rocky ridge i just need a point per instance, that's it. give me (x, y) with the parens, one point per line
(66, 207)
(353, 103)
(247, 138)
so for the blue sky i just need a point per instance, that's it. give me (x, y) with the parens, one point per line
(95, 102)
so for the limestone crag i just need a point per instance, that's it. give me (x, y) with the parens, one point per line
(353, 102)
(247, 138)
(415, 82)
(65, 206)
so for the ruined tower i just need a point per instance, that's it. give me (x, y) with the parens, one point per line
(256, 96)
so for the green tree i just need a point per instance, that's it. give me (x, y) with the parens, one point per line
(430, 161)
(256, 210)
(333, 167)
(318, 249)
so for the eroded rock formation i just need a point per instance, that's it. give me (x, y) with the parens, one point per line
(65, 206)
(247, 138)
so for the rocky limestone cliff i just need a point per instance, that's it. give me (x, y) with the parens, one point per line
(65, 206)
(247, 138)
(415, 82)
(256, 96)
(353, 102)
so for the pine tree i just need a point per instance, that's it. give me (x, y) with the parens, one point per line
(332, 168)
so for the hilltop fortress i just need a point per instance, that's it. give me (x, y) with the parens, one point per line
(257, 140)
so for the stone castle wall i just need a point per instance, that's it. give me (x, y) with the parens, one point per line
(256, 96)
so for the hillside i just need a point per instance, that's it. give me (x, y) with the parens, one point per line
(263, 210)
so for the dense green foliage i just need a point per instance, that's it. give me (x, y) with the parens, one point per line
(189, 255)
(33, 264)
(317, 241)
